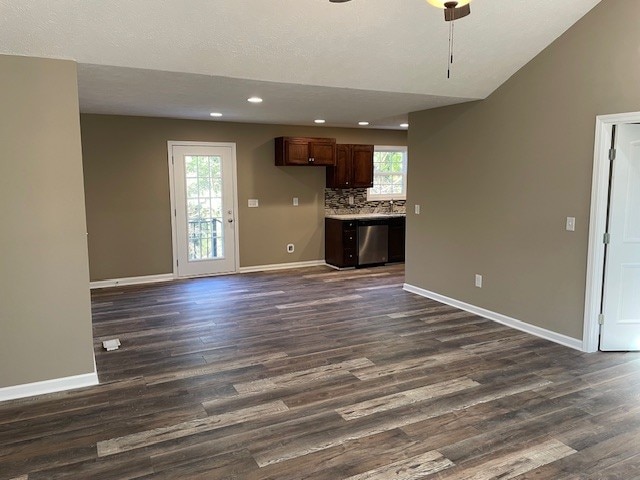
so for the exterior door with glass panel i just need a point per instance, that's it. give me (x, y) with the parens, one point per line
(204, 180)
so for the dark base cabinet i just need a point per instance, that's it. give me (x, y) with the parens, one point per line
(396, 239)
(341, 242)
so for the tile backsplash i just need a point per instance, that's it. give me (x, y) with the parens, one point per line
(336, 201)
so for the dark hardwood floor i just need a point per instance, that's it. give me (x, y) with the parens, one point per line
(319, 374)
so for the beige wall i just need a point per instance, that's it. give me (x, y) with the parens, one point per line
(127, 191)
(497, 178)
(45, 316)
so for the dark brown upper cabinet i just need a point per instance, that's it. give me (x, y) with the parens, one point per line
(298, 151)
(354, 167)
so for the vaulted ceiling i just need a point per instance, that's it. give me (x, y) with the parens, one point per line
(364, 60)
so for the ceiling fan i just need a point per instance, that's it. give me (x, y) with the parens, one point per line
(453, 10)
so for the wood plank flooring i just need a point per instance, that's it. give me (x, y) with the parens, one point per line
(319, 374)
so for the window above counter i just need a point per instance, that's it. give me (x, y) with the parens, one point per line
(389, 173)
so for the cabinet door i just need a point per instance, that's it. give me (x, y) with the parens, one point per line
(322, 153)
(396, 239)
(299, 151)
(296, 152)
(362, 161)
(340, 175)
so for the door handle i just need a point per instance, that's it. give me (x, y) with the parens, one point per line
(230, 220)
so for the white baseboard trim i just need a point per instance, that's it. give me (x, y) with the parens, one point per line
(282, 266)
(167, 277)
(500, 318)
(117, 282)
(48, 386)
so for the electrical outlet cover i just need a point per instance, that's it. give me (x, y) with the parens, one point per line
(110, 345)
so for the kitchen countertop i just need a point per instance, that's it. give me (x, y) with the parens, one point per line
(365, 216)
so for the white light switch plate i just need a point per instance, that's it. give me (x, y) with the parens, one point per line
(253, 203)
(295, 201)
(417, 209)
(571, 224)
(479, 281)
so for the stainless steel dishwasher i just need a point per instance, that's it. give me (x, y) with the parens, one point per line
(373, 242)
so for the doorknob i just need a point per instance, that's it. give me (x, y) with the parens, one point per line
(230, 220)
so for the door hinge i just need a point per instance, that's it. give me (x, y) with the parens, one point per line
(612, 154)
(172, 160)
(175, 212)
(606, 238)
(601, 319)
(177, 263)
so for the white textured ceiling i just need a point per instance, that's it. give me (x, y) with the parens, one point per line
(371, 60)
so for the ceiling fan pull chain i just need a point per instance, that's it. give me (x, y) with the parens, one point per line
(450, 57)
(453, 23)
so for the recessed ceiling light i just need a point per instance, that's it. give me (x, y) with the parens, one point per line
(404, 125)
(215, 114)
(363, 124)
(319, 120)
(254, 100)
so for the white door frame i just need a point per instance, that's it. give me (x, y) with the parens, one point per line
(597, 224)
(172, 195)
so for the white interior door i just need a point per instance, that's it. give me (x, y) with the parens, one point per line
(204, 196)
(621, 299)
